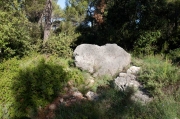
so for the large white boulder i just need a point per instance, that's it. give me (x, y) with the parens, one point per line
(109, 59)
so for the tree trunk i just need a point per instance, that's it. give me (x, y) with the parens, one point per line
(47, 17)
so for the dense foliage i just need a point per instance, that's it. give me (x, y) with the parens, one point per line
(61, 48)
(14, 38)
(28, 85)
(133, 24)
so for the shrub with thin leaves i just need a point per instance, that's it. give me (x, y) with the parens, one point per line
(147, 42)
(174, 55)
(14, 38)
(28, 85)
(156, 73)
(60, 45)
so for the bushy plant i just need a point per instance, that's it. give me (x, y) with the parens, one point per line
(147, 42)
(165, 108)
(157, 72)
(60, 45)
(14, 38)
(35, 33)
(28, 85)
(8, 70)
(175, 55)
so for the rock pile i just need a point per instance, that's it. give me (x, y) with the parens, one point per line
(125, 80)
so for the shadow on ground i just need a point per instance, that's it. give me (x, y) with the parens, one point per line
(114, 104)
(36, 86)
(111, 104)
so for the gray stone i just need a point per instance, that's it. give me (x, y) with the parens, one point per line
(61, 100)
(140, 96)
(133, 70)
(91, 95)
(101, 60)
(128, 79)
(52, 107)
(77, 94)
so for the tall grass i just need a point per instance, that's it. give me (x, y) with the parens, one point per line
(156, 73)
(114, 104)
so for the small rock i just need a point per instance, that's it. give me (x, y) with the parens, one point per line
(122, 74)
(134, 84)
(66, 89)
(73, 100)
(141, 97)
(78, 94)
(70, 84)
(126, 80)
(91, 81)
(91, 95)
(133, 70)
(61, 100)
(52, 107)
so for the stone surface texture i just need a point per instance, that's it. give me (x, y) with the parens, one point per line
(126, 80)
(101, 60)
(91, 95)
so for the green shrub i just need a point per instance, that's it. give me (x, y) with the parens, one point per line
(175, 55)
(18, 36)
(14, 38)
(156, 73)
(60, 45)
(35, 33)
(28, 85)
(146, 43)
(164, 108)
(8, 70)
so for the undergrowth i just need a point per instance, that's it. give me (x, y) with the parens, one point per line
(31, 83)
(156, 73)
(114, 104)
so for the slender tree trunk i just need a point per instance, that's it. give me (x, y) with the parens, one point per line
(47, 16)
